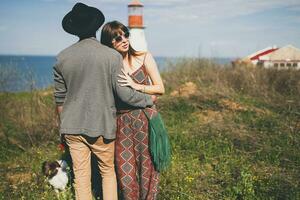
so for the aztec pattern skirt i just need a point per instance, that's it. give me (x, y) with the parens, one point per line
(137, 177)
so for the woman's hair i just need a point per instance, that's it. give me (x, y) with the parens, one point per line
(111, 30)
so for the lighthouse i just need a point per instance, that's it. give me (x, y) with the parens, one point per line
(136, 25)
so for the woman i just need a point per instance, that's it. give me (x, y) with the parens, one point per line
(135, 171)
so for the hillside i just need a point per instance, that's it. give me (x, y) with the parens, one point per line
(235, 134)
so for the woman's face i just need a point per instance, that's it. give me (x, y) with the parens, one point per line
(121, 42)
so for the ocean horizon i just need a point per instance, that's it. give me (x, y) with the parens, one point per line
(29, 72)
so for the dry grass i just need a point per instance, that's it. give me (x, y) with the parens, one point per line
(234, 134)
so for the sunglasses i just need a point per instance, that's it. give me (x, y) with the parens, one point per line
(119, 38)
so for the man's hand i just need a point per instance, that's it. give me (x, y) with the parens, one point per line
(126, 80)
(58, 112)
(154, 98)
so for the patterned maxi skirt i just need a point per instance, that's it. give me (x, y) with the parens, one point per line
(137, 177)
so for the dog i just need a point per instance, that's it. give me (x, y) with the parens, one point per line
(56, 173)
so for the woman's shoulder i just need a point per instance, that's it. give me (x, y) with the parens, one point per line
(142, 56)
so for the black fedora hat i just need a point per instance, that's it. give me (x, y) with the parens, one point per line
(82, 20)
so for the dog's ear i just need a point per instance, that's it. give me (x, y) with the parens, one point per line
(52, 168)
(45, 168)
(56, 164)
(49, 169)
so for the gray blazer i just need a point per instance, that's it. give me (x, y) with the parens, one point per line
(85, 84)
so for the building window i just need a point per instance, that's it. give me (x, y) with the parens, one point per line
(295, 64)
(288, 64)
(276, 65)
(282, 64)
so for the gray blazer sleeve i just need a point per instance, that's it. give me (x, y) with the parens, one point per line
(60, 88)
(127, 94)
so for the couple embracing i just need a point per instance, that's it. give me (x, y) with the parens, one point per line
(103, 91)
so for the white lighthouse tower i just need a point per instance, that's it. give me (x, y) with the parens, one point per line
(136, 26)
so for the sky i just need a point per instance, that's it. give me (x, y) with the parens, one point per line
(174, 28)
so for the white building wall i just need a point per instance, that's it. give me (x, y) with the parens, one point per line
(137, 39)
(268, 64)
(254, 62)
(281, 65)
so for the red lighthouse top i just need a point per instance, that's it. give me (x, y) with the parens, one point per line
(135, 14)
(135, 3)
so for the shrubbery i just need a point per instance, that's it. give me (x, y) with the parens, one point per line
(235, 137)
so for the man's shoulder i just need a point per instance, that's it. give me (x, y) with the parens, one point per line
(110, 51)
(65, 51)
(103, 51)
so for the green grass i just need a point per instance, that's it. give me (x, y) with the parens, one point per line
(216, 162)
(238, 137)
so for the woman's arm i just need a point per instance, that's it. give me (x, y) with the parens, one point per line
(157, 86)
(127, 94)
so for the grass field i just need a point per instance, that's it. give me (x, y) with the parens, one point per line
(235, 134)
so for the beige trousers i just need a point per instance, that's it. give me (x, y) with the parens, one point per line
(80, 150)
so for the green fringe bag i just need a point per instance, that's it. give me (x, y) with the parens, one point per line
(159, 144)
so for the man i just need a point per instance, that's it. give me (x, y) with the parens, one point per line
(85, 77)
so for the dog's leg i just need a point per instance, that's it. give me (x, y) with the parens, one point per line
(57, 193)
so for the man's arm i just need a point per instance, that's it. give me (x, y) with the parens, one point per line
(60, 90)
(127, 94)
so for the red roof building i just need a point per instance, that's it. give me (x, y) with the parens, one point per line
(284, 57)
(256, 57)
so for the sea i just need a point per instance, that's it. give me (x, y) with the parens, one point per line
(25, 73)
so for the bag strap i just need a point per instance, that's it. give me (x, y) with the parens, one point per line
(146, 114)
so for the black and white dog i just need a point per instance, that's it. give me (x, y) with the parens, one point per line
(57, 174)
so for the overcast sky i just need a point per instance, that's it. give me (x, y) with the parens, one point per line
(218, 28)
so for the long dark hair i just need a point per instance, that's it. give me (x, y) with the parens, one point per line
(111, 30)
